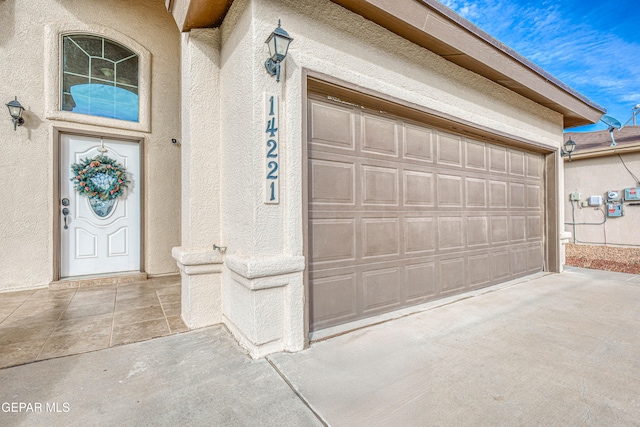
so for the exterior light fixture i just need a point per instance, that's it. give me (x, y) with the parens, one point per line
(569, 146)
(15, 109)
(278, 43)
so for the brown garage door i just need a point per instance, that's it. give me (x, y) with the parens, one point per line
(401, 213)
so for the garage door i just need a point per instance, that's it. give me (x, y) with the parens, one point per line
(401, 213)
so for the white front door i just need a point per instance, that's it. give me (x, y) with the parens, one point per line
(98, 240)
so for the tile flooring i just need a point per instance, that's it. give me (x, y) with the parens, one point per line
(45, 323)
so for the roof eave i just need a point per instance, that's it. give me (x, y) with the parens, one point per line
(437, 28)
(192, 14)
(604, 152)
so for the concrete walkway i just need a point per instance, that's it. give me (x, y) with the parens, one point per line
(558, 350)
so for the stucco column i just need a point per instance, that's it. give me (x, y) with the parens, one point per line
(200, 265)
(262, 277)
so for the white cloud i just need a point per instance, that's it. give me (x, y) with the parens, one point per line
(579, 46)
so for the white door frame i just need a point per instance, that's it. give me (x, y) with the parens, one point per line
(57, 206)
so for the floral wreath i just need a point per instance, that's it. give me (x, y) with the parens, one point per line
(99, 178)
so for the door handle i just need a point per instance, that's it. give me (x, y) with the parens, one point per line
(65, 213)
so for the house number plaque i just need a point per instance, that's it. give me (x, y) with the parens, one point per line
(272, 158)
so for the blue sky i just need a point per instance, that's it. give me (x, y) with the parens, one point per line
(593, 47)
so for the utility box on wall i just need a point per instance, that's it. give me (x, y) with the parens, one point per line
(613, 196)
(632, 194)
(614, 209)
(595, 201)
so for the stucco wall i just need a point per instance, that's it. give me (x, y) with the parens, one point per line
(27, 250)
(596, 176)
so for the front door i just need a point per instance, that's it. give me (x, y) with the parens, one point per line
(99, 238)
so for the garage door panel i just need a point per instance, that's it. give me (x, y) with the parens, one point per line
(498, 194)
(479, 271)
(534, 166)
(477, 231)
(498, 159)
(381, 289)
(380, 185)
(332, 182)
(334, 298)
(379, 135)
(420, 281)
(449, 149)
(419, 235)
(516, 195)
(451, 275)
(449, 191)
(534, 196)
(499, 226)
(534, 227)
(475, 155)
(476, 192)
(450, 232)
(500, 269)
(418, 143)
(516, 162)
(333, 239)
(380, 237)
(517, 228)
(518, 261)
(418, 188)
(404, 214)
(534, 257)
(332, 125)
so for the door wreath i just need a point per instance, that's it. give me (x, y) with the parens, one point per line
(102, 180)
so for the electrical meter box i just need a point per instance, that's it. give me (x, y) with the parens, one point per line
(613, 196)
(614, 209)
(632, 193)
(595, 201)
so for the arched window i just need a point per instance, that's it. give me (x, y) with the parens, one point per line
(99, 78)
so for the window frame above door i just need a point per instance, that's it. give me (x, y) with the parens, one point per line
(53, 77)
(99, 77)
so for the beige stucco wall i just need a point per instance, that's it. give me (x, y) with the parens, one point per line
(26, 162)
(596, 176)
(263, 272)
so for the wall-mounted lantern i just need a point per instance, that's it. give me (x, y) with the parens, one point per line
(15, 110)
(569, 146)
(278, 43)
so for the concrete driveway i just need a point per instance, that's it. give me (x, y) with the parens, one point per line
(556, 350)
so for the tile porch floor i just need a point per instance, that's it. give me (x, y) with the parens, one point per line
(44, 323)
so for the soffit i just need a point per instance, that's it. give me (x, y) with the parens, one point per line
(192, 14)
(433, 26)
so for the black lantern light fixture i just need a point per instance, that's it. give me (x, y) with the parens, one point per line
(569, 146)
(15, 109)
(278, 43)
